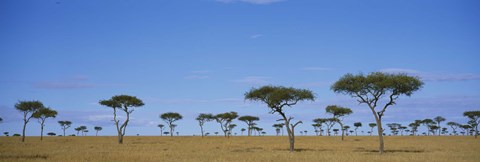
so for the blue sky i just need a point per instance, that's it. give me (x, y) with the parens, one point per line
(201, 56)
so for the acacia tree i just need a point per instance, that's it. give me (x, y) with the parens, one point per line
(65, 125)
(317, 128)
(202, 119)
(415, 126)
(78, 129)
(276, 98)
(474, 117)
(28, 108)
(161, 129)
(169, 118)
(375, 87)
(225, 119)
(243, 130)
(318, 123)
(330, 122)
(357, 125)
(454, 126)
(394, 128)
(42, 114)
(97, 128)
(439, 119)
(428, 123)
(338, 113)
(123, 103)
(250, 121)
(83, 129)
(372, 125)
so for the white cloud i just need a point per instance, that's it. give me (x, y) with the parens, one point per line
(317, 69)
(254, 80)
(192, 77)
(255, 36)
(259, 2)
(428, 76)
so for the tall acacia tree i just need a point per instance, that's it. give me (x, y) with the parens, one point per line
(454, 126)
(65, 124)
(338, 113)
(276, 98)
(375, 87)
(428, 124)
(225, 119)
(169, 118)
(42, 114)
(250, 121)
(474, 117)
(318, 123)
(439, 119)
(97, 128)
(161, 129)
(415, 126)
(28, 108)
(123, 103)
(357, 125)
(202, 119)
(372, 125)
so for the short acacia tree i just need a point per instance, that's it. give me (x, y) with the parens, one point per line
(357, 125)
(278, 97)
(375, 87)
(97, 128)
(42, 114)
(454, 126)
(123, 103)
(202, 119)
(161, 129)
(28, 108)
(338, 113)
(225, 119)
(250, 121)
(474, 117)
(169, 118)
(65, 124)
(439, 119)
(372, 125)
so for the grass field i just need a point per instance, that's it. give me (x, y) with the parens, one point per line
(265, 148)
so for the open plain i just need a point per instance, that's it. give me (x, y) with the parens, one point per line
(217, 148)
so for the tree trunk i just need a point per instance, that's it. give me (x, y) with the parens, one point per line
(201, 130)
(476, 130)
(171, 130)
(378, 119)
(63, 131)
(343, 130)
(23, 134)
(120, 139)
(380, 136)
(41, 132)
(96, 134)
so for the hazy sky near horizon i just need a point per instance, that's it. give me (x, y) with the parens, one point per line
(201, 56)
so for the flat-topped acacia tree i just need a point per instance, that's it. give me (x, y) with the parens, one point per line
(42, 115)
(28, 108)
(123, 103)
(338, 112)
(202, 119)
(375, 87)
(276, 98)
(225, 119)
(250, 121)
(65, 124)
(169, 118)
(474, 117)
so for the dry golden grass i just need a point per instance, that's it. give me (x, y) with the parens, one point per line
(266, 148)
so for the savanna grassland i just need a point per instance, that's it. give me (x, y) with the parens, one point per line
(265, 148)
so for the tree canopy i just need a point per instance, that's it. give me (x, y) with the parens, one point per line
(374, 87)
(125, 103)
